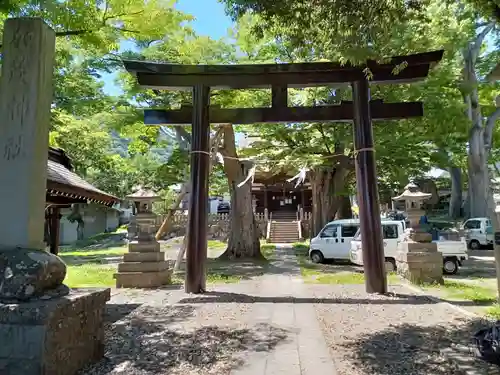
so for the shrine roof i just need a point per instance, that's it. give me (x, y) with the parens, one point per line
(412, 195)
(398, 69)
(63, 182)
(143, 194)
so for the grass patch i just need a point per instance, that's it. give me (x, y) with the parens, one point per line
(461, 291)
(335, 273)
(267, 250)
(494, 311)
(216, 245)
(90, 275)
(85, 253)
(83, 256)
(343, 277)
(98, 239)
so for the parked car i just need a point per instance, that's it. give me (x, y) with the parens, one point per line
(223, 208)
(333, 241)
(478, 232)
(454, 252)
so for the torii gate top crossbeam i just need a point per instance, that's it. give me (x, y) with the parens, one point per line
(184, 77)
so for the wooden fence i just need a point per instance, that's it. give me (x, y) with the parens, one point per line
(218, 225)
(181, 219)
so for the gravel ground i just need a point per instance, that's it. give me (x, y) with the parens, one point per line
(268, 318)
(403, 334)
(188, 339)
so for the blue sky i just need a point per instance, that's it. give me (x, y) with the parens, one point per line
(210, 19)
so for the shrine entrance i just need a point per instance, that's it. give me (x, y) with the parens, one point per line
(279, 77)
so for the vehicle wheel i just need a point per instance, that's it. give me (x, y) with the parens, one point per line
(317, 257)
(474, 245)
(450, 266)
(390, 265)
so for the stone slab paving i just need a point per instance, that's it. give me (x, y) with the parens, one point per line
(275, 324)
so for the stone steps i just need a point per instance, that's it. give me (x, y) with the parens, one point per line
(284, 231)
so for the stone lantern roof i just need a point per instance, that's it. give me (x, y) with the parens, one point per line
(412, 192)
(143, 194)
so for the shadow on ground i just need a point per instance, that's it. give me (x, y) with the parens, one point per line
(117, 311)
(421, 350)
(151, 340)
(226, 297)
(477, 267)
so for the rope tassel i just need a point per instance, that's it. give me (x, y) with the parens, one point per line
(251, 175)
(300, 177)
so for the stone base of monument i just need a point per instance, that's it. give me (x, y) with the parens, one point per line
(420, 262)
(143, 267)
(58, 336)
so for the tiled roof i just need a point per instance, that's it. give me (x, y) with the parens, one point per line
(63, 182)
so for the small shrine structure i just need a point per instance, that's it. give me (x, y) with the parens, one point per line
(418, 259)
(64, 188)
(144, 266)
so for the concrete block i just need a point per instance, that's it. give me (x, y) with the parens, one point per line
(143, 247)
(143, 279)
(429, 247)
(144, 257)
(53, 337)
(143, 266)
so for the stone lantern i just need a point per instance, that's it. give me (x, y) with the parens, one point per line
(418, 259)
(144, 266)
(413, 198)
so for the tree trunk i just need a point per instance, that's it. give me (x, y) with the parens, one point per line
(478, 173)
(456, 192)
(326, 184)
(345, 209)
(480, 143)
(243, 240)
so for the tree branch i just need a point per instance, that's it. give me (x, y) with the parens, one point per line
(478, 42)
(488, 129)
(181, 133)
(323, 136)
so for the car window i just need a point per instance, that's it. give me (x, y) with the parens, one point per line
(330, 231)
(357, 236)
(390, 231)
(473, 224)
(488, 223)
(349, 230)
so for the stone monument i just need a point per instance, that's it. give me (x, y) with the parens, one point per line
(418, 259)
(45, 328)
(144, 266)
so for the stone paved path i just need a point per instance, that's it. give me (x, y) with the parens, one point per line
(306, 351)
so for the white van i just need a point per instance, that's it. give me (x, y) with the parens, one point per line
(454, 252)
(478, 232)
(333, 241)
(392, 232)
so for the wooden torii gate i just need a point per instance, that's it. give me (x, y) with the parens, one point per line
(279, 77)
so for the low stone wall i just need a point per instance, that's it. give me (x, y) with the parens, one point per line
(218, 226)
(53, 337)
